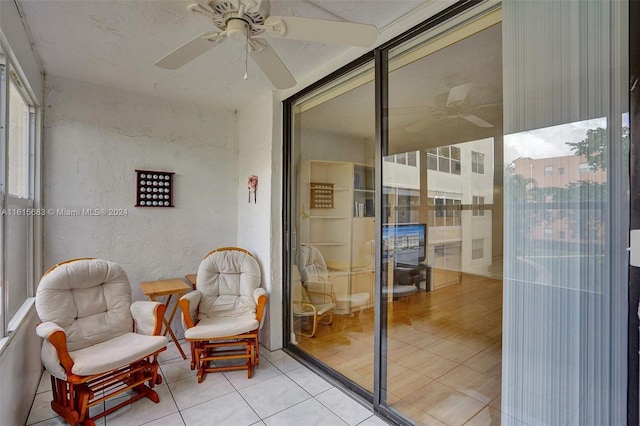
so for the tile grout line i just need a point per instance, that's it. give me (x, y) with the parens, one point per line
(337, 415)
(284, 409)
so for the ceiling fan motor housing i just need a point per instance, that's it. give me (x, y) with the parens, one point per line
(224, 11)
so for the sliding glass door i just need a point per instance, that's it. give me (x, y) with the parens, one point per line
(442, 226)
(332, 253)
(457, 215)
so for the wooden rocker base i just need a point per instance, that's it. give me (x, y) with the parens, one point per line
(72, 398)
(203, 353)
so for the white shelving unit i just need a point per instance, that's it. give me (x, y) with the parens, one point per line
(328, 225)
(337, 217)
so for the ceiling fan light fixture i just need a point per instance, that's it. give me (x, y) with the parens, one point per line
(237, 29)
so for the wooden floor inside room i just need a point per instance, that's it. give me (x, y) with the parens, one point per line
(443, 352)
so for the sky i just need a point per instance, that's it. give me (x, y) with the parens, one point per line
(548, 142)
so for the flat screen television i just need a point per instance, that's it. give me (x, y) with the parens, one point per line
(406, 242)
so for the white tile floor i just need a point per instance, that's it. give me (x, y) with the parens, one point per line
(281, 392)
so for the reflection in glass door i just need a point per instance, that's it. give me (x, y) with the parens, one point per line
(332, 278)
(485, 212)
(442, 228)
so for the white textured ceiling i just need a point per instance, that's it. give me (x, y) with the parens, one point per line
(417, 96)
(116, 43)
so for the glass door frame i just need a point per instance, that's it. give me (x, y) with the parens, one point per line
(633, 376)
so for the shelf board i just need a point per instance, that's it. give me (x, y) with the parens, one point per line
(329, 217)
(365, 190)
(326, 243)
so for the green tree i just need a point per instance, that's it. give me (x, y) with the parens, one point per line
(594, 147)
(522, 206)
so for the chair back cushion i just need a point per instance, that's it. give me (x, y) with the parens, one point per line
(227, 280)
(89, 299)
(311, 264)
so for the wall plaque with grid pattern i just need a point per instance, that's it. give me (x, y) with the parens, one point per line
(154, 189)
(321, 195)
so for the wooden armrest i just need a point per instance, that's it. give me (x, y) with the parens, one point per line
(59, 341)
(159, 314)
(189, 314)
(312, 306)
(262, 301)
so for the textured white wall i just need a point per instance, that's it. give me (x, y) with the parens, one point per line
(328, 146)
(258, 223)
(95, 139)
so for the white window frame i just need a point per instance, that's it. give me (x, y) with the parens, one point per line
(477, 162)
(8, 325)
(453, 205)
(448, 159)
(478, 205)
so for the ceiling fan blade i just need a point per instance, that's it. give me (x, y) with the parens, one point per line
(458, 94)
(190, 50)
(325, 31)
(476, 120)
(254, 5)
(271, 64)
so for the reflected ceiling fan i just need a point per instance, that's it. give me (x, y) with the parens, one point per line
(456, 107)
(243, 21)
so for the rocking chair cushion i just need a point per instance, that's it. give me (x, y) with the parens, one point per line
(211, 328)
(89, 299)
(227, 281)
(115, 353)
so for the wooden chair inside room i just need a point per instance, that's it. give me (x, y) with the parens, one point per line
(317, 278)
(316, 307)
(97, 344)
(222, 317)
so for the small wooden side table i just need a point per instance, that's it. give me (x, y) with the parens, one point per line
(192, 279)
(169, 287)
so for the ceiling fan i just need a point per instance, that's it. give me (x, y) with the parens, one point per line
(243, 21)
(455, 107)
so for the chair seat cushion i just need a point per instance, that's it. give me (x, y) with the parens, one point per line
(211, 328)
(114, 353)
(356, 299)
(307, 311)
